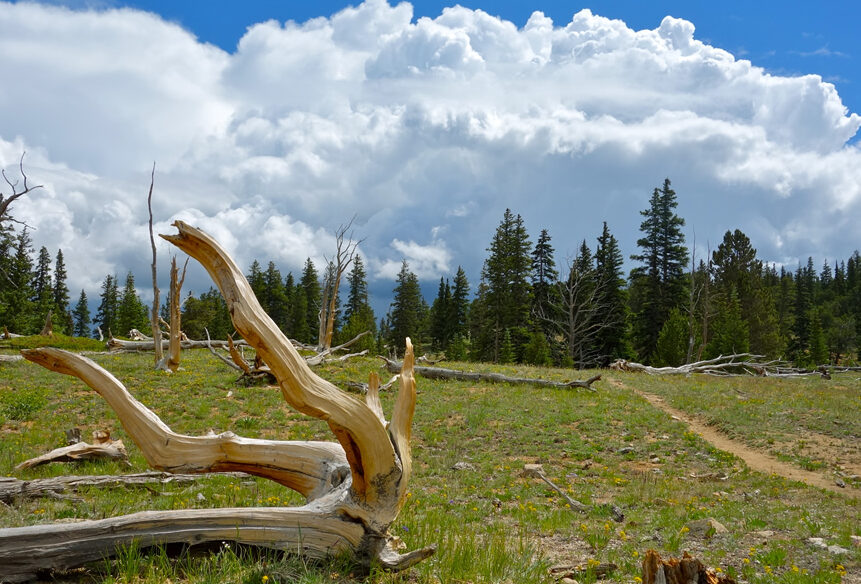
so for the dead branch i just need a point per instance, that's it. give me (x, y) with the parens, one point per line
(102, 447)
(154, 317)
(723, 365)
(345, 251)
(449, 374)
(7, 200)
(48, 328)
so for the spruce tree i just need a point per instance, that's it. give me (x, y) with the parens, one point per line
(358, 314)
(106, 314)
(729, 330)
(131, 312)
(612, 309)
(440, 312)
(507, 298)
(81, 315)
(407, 313)
(20, 309)
(660, 281)
(63, 320)
(672, 346)
(274, 298)
(310, 286)
(459, 307)
(43, 287)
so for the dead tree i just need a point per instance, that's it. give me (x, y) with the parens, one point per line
(723, 365)
(345, 251)
(171, 362)
(355, 488)
(7, 200)
(154, 322)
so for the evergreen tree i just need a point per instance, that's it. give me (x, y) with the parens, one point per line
(672, 346)
(537, 350)
(729, 330)
(19, 315)
(106, 314)
(358, 314)
(310, 286)
(506, 348)
(612, 309)
(131, 312)
(545, 277)
(258, 282)
(818, 348)
(440, 313)
(274, 298)
(506, 299)
(63, 320)
(459, 307)
(43, 288)
(206, 313)
(660, 281)
(81, 315)
(407, 313)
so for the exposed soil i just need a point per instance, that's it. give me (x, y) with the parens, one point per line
(755, 459)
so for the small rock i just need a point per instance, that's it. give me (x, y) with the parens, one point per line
(200, 497)
(230, 393)
(617, 514)
(567, 580)
(837, 550)
(655, 460)
(856, 540)
(766, 534)
(817, 542)
(840, 483)
(626, 450)
(705, 528)
(464, 466)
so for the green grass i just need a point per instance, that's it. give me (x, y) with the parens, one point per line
(490, 524)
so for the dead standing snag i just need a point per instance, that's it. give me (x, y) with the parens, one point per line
(355, 487)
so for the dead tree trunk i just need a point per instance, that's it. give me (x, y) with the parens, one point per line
(345, 251)
(449, 374)
(355, 487)
(171, 363)
(156, 328)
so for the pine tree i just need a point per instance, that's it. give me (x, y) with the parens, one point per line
(20, 311)
(256, 280)
(660, 281)
(358, 314)
(818, 347)
(43, 287)
(106, 314)
(729, 330)
(459, 307)
(440, 312)
(131, 312)
(672, 346)
(407, 313)
(81, 315)
(274, 298)
(507, 298)
(310, 286)
(545, 292)
(612, 308)
(63, 320)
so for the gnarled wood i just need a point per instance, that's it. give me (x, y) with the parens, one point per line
(355, 487)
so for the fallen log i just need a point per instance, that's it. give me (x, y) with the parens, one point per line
(355, 487)
(123, 346)
(723, 365)
(12, 488)
(454, 374)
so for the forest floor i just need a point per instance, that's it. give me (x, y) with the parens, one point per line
(653, 459)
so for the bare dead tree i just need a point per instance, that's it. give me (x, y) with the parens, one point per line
(580, 314)
(154, 321)
(345, 251)
(171, 361)
(7, 199)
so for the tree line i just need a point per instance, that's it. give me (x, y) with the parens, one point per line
(527, 307)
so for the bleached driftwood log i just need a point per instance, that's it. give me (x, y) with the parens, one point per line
(102, 447)
(123, 346)
(455, 374)
(722, 365)
(355, 488)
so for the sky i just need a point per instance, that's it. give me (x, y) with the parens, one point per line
(272, 123)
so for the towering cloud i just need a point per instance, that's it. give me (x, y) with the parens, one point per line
(425, 129)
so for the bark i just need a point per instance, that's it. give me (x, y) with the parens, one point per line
(171, 363)
(113, 449)
(454, 374)
(48, 328)
(675, 571)
(12, 488)
(123, 346)
(355, 487)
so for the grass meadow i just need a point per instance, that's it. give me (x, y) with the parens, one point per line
(608, 448)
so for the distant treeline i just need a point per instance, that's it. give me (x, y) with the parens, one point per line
(527, 308)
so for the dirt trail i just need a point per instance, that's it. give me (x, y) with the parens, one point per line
(756, 460)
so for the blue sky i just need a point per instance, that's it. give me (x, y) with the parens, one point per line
(270, 135)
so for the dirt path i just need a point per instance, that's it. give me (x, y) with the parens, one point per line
(756, 460)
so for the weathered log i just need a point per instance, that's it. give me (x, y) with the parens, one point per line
(48, 327)
(722, 365)
(457, 375)
(122, 346)
(12, 488)
(355, 487)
